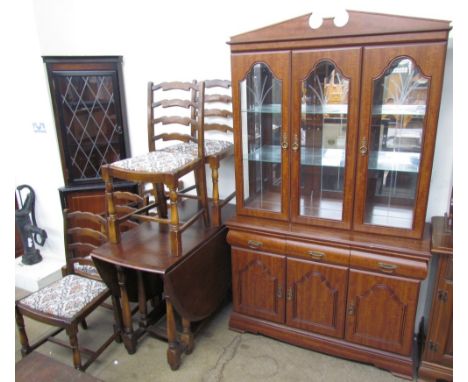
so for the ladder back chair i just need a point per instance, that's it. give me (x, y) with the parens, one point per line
(162, 168)
(218, 138)
(67, 302)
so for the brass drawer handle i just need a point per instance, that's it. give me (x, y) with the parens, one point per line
(254, 244)
(387, 268)
(316, 254)
(284, 145)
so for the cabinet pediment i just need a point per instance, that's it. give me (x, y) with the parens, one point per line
(359, 24)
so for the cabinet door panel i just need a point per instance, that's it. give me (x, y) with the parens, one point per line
(258, 284)
(260, 89)
(316, 297)
(381, 311)
(400, 97)
(441, 324)
(325, 99)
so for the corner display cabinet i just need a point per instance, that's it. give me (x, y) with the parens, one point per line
(90, 118)
(334, 138)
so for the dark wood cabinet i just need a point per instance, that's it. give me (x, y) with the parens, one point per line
(316, 296)
(259, 284)
(437, 358)
(334, 132)
(88, 100)
(381, 311)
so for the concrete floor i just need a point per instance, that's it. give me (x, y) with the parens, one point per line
(219, 355)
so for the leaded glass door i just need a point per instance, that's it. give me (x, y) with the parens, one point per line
(91, 128)
(261, 103)
(324, 125)
(399, 112)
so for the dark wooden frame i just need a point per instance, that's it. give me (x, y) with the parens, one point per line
(75, 65)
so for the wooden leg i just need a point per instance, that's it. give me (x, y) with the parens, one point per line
(25, 348)
(117, 318)
(216, 215)
(142, 308)
(84, 324)
(72, 332)
(158, 189)
(127, 333)
(173, 351)
(187, 336)
(175, 234)
(200, 179)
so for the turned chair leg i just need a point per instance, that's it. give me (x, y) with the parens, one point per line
(25, 348)
(72, 332)
(175, 234)
(216, 209)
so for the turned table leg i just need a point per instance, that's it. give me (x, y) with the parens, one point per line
(173, 351)
(187, 336)
(128, 336)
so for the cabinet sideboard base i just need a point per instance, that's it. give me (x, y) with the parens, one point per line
(431, 372)
(399, 365)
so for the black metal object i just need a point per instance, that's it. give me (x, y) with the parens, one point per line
(29, 231)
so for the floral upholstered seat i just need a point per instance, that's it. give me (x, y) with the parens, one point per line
(158, 161)
(86, 268)
(65, 298)
(212, 147)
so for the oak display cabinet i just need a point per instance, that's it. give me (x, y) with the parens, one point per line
(88, 100)
(334, 139)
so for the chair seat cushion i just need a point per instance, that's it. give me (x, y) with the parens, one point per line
(86, 268)
(212, 147)
(65, 297)
(157, 162)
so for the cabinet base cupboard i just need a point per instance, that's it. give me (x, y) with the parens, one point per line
(334, 132)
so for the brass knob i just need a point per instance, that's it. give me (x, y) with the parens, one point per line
(363, 148)
(284, 145)
(295, 144)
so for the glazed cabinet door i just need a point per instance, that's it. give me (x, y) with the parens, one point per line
(400, 95)
(316, 297)
(258, 281)
(381, 311)
(260, 88)
(325, 105)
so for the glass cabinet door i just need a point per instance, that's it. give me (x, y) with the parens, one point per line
(323, 134)
(396, 125)
(261, 93)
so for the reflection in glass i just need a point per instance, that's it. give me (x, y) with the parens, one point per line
(396, 133)
(324, 113)
(261, 119)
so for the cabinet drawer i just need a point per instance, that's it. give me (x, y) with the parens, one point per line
(389, 265)
(256, 241)
(317, 252)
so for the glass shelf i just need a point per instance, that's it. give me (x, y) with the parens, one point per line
(414, 110)
(381, 160)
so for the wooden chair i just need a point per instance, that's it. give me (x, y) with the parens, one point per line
(162, 168)
(80, 241)
(67, 302)
(218, 138)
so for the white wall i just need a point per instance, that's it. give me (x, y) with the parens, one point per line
(159, 41)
